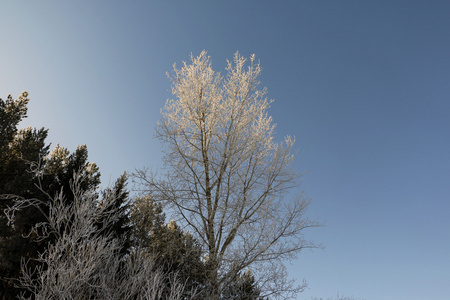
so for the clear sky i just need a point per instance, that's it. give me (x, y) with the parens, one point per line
(362, 85)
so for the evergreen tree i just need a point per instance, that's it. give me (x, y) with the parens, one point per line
(28, 170)
(11, 113)
(56, 170)
(173, 251)
(85, 261)
(17, 149)
(243, 287)
(120, 228)
(178, 252)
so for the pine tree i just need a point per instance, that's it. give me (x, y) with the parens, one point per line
(28, 170)
(120, 228)
(173, 251)
(17, 149)
(85, 261)
(243, 287)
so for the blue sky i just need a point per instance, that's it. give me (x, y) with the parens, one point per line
(362, 85)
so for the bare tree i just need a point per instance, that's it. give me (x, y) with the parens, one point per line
(227, 178)
(83, 262)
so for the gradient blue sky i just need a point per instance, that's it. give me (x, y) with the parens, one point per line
(362, 85)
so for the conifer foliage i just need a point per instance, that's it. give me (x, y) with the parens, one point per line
(28, 170)
(173, 251)
(85, 260)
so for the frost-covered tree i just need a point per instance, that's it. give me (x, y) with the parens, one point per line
(85, 261)
(227, 177)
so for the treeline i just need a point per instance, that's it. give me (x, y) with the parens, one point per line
(61, 237)
(225, 179)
